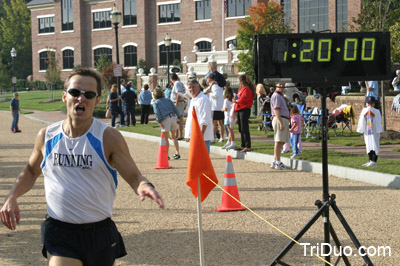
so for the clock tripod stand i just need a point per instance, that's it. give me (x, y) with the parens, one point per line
(328, 201)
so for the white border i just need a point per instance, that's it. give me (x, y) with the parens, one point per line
(102, 46)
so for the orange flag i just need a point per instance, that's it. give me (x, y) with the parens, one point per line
(199, 162)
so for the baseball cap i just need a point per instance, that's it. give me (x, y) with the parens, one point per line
(370, 99)
(210, 75)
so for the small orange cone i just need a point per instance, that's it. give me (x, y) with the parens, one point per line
(162, 160)
(228, 203)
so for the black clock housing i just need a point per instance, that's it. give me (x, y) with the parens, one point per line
(322, 58)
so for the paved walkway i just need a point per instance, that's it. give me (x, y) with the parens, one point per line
(386, 151)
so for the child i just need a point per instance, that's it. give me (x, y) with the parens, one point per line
(230, 117)
(296, 120)
(370, 123)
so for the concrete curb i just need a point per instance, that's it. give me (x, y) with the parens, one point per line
(375, 178)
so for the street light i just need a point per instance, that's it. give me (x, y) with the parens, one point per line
(167, 43)
(13, 56)
(115, 17)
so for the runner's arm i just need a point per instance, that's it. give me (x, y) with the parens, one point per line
(117, 154)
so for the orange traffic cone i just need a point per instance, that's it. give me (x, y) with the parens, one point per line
(228, 203)
(162, 160)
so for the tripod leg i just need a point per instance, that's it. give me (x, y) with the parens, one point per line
(350, 232)
(300, 234)
(338, 244)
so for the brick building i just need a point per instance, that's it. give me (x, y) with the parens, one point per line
(77, 32)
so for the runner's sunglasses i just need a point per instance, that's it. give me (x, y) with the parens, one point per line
(87, 94)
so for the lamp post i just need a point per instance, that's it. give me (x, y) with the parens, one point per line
(167, 43)
(13, 56)
(115, 17)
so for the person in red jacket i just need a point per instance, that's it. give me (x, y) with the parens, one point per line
(243, 103)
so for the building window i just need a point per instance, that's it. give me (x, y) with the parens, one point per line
(234, 42)
(341, 15)
(46, 25)
(99, 51)
(67, 15)
(238, 7)
(169, 13)
(101, 20)
(287, 10)
(313, 15)
(203, 10)
(174, 53)
(204, 46)
(68, 59)
(130, 12)
(44, 59)
(130, 56)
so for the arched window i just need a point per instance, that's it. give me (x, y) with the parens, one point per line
(204, 46)
(130, 56)
(103, 50)
(68, 59)
(174, 53)
(44, 59)
(234, 42)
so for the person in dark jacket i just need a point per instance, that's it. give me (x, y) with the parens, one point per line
(130, 99)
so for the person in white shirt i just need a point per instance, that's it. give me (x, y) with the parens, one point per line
(177, 97)
(202, 105)
(217, 102)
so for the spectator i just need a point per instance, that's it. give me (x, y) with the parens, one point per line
(372, 90)
(217, 102)
(14, 108)
(130, 99)
(243, 104)
(202, 105)
(296, 121)
(114, 107)
(218, 77)
(167, 115)
(396, 81)
(167, 91)
(177, 97)
(280, 124)
(370, 124)
(230, 118)
(145, 98)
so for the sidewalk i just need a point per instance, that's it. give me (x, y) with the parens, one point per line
(386, 151)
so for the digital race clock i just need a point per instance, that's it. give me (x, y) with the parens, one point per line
(322, 58)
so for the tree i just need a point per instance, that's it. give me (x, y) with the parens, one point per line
(381, 15)
(15, 31)
(52, 72)
(143, 65)
(108, 75)
(263, 19)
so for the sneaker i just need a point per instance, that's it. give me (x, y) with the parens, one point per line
(176, 156)
(273, 164)
(231, 146)
(372, 163)
(220, 140)
(226, 145)
(293, 156)
(366, 164)
(281, 166)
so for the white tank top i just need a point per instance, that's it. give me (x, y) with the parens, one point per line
(79, 183)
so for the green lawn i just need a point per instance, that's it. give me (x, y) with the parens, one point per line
(39, 100)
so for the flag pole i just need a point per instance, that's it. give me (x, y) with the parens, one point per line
(200, 224)
(223, 25)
